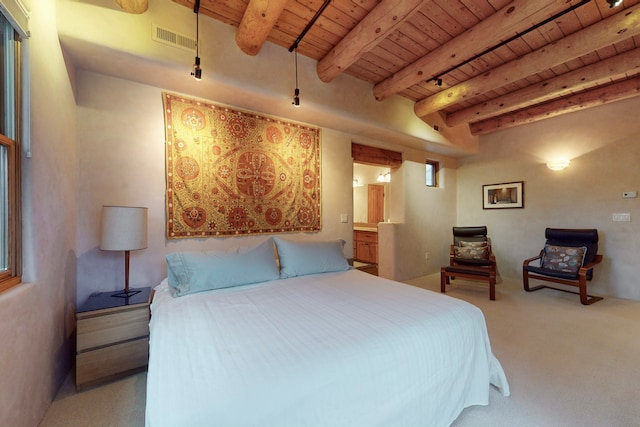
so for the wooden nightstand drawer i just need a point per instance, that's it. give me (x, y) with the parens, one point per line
(112, 361)
(112, 336)
(100, 330)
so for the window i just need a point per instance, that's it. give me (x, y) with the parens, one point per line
(431, 173)
(10, 255)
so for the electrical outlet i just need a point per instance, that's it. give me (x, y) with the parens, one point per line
(625, 217)
(427, 255)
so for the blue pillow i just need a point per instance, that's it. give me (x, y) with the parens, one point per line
(190, 272)
(302, 258)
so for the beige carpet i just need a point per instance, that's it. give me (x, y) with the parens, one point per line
(567, 365)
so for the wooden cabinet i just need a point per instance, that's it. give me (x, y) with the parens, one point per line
(112, 337)
(365, 246)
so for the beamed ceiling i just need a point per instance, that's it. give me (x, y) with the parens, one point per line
(502, 63)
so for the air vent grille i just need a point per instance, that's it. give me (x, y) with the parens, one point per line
(171, 38)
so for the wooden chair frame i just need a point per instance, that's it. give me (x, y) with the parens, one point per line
(572, 238)
(580, 282)
(485, 272)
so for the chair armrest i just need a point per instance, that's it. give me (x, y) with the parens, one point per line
(583, 270)
(529, 260)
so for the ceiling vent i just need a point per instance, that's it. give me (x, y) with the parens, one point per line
(171, 38)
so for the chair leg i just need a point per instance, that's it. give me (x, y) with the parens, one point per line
(525, 282)
(443, 280)
(492, 286)
(585, 298)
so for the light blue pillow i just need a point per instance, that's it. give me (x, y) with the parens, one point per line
(302, 258)
(190, 272)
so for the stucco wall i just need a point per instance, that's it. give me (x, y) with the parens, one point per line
(122, 162)
(604, 148)
(37, 317)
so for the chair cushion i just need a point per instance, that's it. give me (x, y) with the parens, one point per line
(552, 273)
(567, 259)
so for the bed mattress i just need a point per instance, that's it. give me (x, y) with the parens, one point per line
(333, 349)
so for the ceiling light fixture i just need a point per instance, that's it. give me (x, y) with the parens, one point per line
(558, 165)
(294, 48)
(614, 3)
(197, 71)
(296, 93)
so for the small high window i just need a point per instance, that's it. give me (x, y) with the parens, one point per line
(431, 173)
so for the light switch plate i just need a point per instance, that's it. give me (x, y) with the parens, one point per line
(344, 218)
(626, 217)
(629, 194)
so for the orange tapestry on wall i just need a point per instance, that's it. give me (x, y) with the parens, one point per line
(232, 172)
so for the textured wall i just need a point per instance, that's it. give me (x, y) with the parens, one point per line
(603, 145)
(37, 317)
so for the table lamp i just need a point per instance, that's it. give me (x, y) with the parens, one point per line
(123, 228)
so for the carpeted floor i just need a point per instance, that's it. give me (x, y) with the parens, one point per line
(567, 365)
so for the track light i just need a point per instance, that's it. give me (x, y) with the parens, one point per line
(296, 92)
(296, 98)
(197, 71)
(614, 3)
(439, 82)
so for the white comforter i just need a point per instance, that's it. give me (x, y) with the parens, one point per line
(332, 349)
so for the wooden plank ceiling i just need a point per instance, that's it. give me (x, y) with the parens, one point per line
(502, 63)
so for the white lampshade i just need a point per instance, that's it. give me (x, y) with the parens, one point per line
(123, 228)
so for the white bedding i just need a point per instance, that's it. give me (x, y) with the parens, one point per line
(332, 349)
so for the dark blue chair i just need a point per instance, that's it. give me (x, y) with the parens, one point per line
(568, 258)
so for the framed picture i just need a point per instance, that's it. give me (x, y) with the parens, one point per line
(503, 196)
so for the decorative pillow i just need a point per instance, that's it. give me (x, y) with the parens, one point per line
(310, 257)
(473, 244)
(563, 258)
(470, 252)
(190, 272)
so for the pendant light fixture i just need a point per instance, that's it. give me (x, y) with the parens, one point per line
(296, 92)
(197, 71)
(294, 48)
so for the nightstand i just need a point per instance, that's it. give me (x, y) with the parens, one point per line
(112, 337)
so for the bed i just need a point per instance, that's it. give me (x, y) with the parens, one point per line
(321, 344)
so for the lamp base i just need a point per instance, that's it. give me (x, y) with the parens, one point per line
(126, 294)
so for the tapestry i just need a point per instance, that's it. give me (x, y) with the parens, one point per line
(232, 172)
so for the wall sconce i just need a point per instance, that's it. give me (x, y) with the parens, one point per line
(558, 165)
(384, 177)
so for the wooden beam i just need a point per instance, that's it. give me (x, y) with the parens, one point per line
(257, 22)
(600, 96)
(375, 156)
(618, 27)
(133, 6)
(614, 68)
(374, 28)
(512, 19)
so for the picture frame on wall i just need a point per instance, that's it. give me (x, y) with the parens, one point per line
(508, 195)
